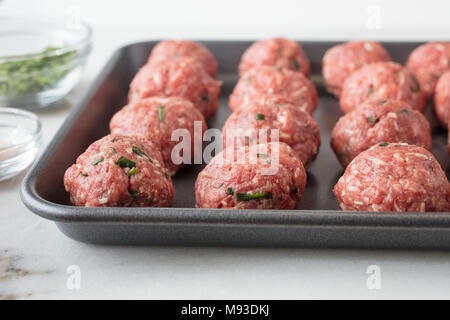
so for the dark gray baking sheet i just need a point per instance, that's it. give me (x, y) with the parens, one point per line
(317, 223)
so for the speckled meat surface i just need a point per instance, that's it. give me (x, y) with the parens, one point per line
(119, 171)
(377, 121)
(183, 77)
(428, 62)
(387, 80)
(295, 127)
(174, 49)
(271, 80)
(278, 52)
(343, 59)
(394, 177)
(155, 119)
(255, 177)
(442, 99)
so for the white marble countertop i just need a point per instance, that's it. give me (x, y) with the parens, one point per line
(35, 256)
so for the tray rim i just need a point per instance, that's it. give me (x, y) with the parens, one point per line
(148, 215)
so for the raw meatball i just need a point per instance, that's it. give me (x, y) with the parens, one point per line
(154, 119)
(342, 60)
(394, 177)
(173, 49)
(270, 80)
(428, 62)
(388, 80)
(296, 128)
(277, 52)
(118, 171)
(182, 77)
(442, 99)
(251, 178)
(377, 121)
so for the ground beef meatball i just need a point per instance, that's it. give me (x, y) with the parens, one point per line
(173, 49)
(428, 62)
(296, 128)
(154, 119)
(277, 52)
(342, 60)
(279, 81)
(118, 171)
(255, 177)
(442, 99)
(182, 77)
(388, 80)
(394, 177)
(377, 121)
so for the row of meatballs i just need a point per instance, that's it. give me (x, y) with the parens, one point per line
(273, 93)
(384, 129)
(177, 86)
(384, 140)
(176, 89)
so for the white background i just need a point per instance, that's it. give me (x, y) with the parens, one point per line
(34, 255)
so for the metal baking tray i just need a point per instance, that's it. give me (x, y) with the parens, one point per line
(317, 223)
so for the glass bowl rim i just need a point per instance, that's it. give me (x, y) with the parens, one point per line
(27, 115)
(84, 41)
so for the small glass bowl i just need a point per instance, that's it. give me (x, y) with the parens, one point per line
(20, 140)
(40, 60)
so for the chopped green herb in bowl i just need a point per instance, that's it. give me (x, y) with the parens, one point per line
(42, 62)
(35, 74)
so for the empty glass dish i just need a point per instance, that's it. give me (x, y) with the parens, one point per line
(20, 140)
